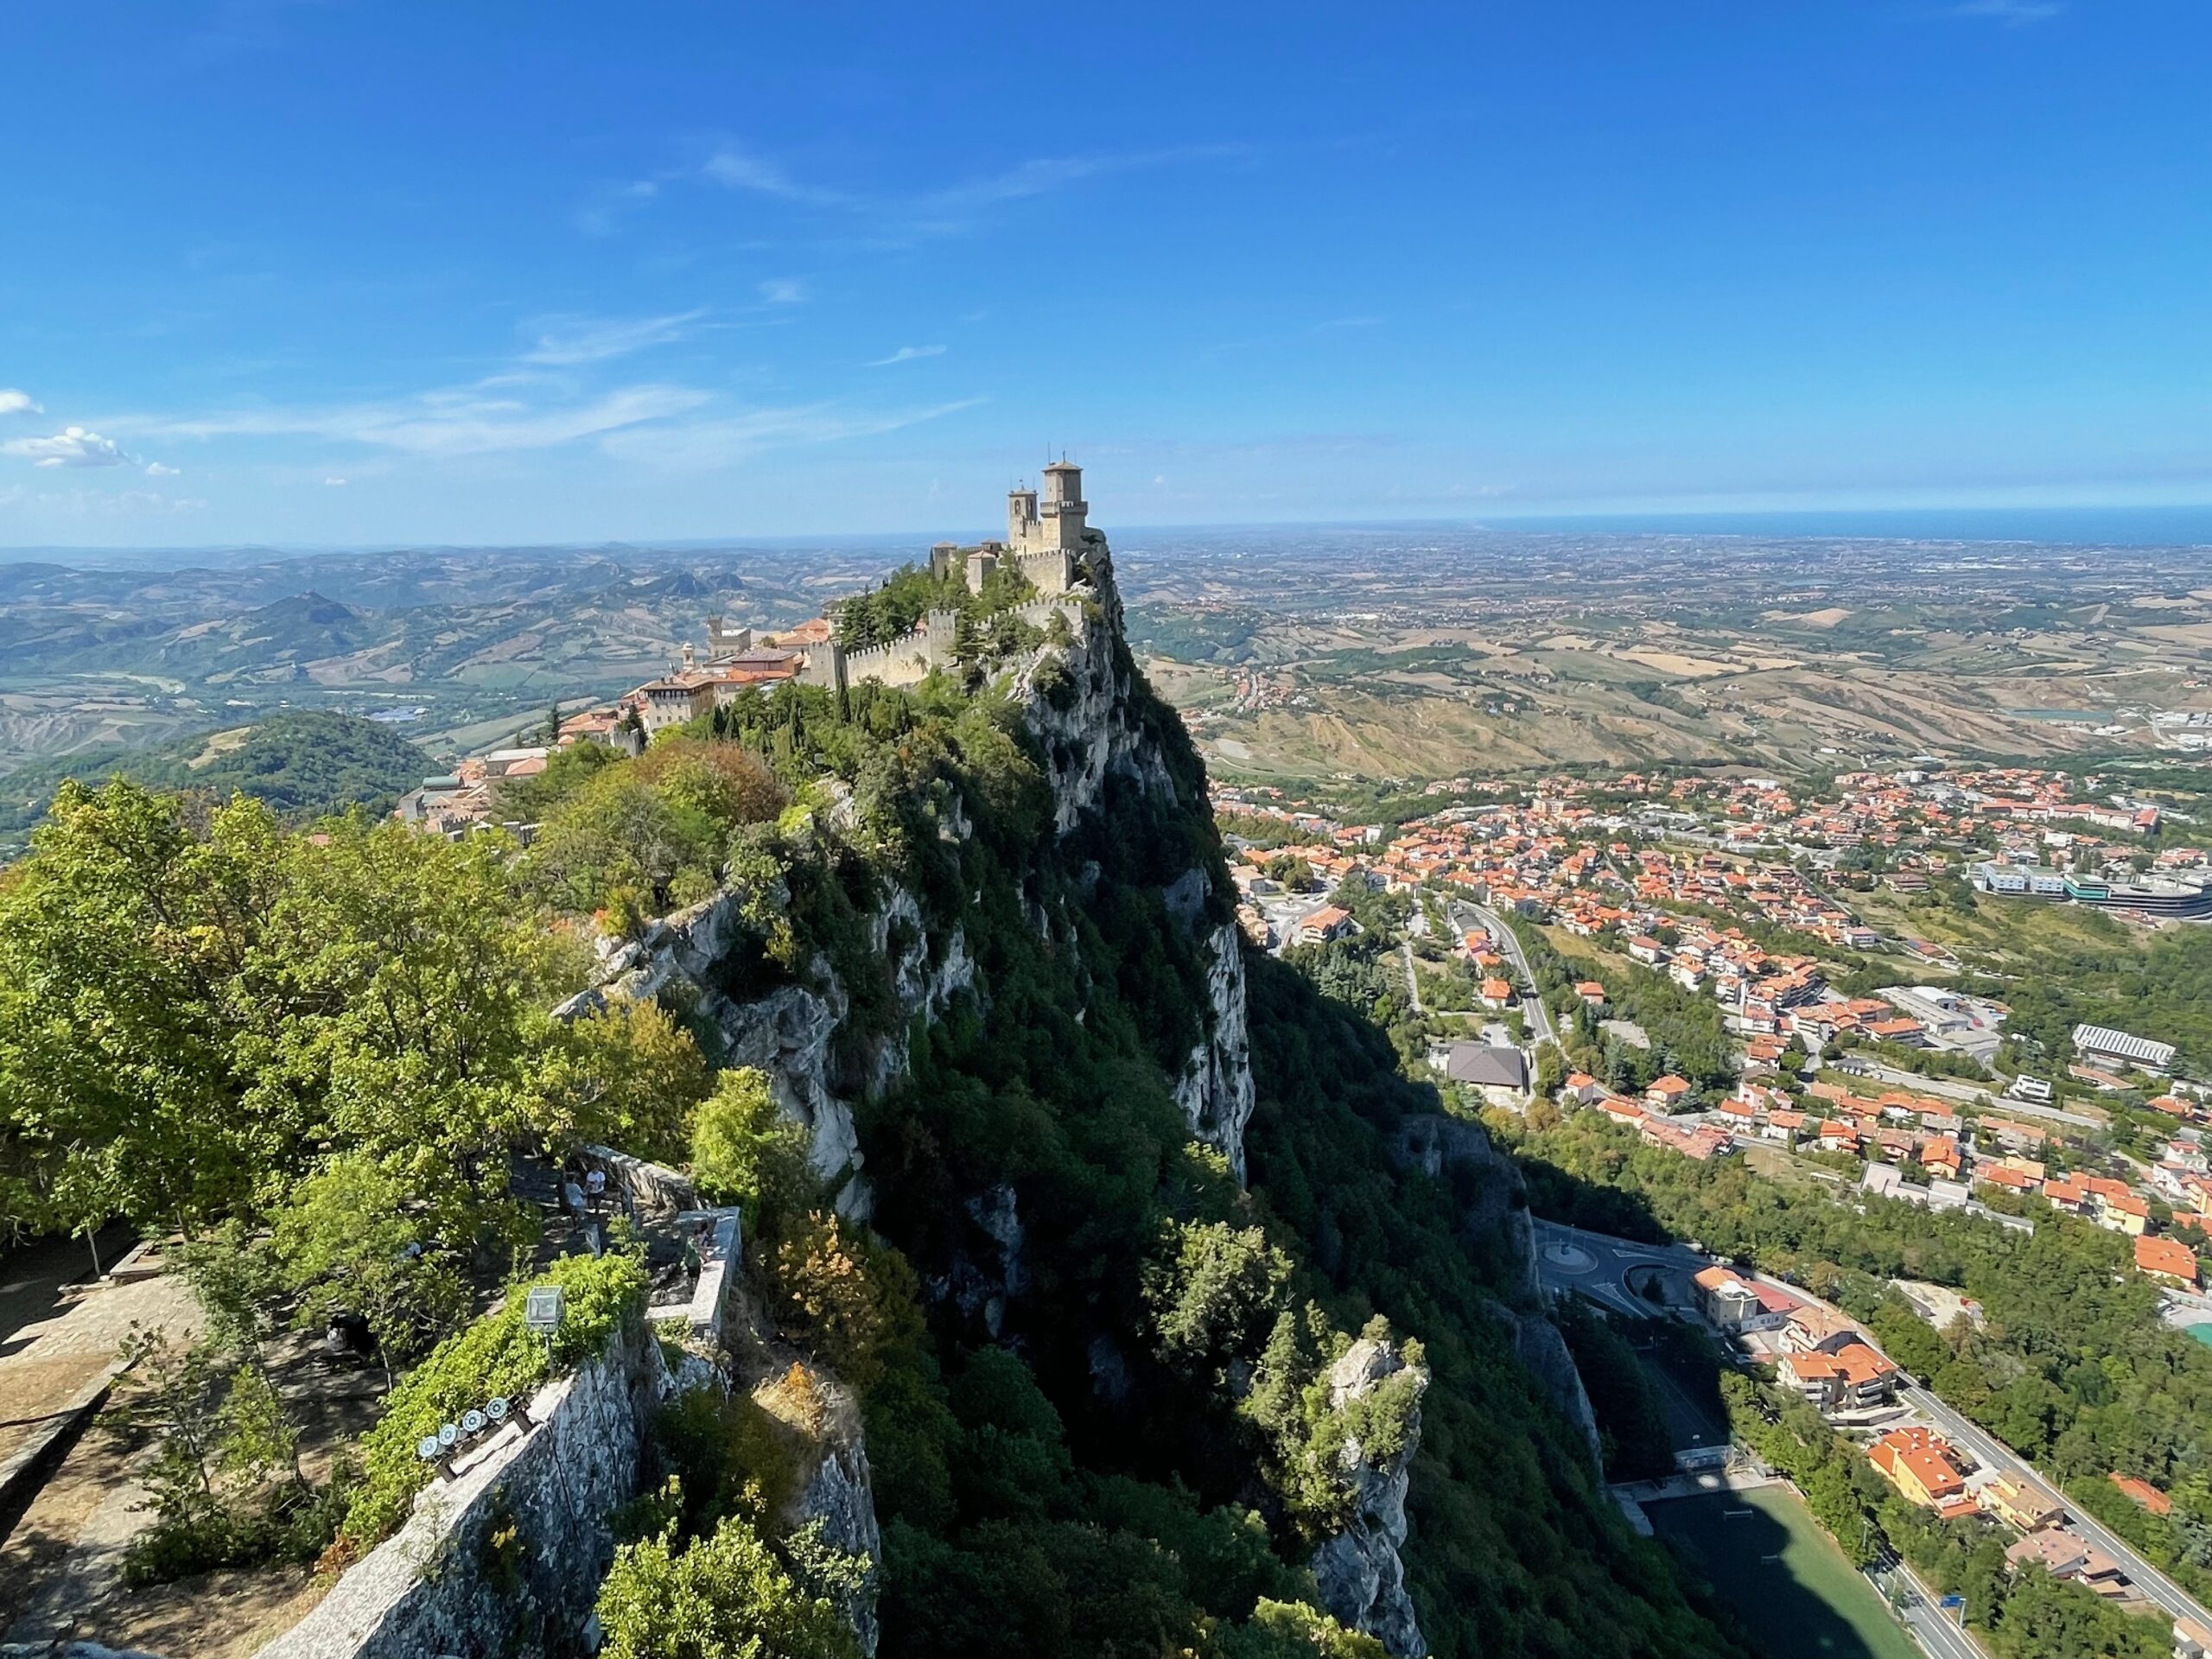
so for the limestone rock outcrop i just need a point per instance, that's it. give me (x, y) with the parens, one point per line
(840, 1495)
(1362, 1579)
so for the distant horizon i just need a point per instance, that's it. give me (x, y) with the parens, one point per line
(2174, 525)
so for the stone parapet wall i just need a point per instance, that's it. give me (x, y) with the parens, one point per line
(507, 1557)
(645, 1189)
(913, 658)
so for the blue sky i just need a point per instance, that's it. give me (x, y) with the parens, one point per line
(346, 273)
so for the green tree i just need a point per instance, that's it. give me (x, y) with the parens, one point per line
(352, 1241)
(745, 1151)
(626, 1074)
(1216, 1293)
(726, 1597)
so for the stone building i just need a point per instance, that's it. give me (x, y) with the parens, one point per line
(1045, 537)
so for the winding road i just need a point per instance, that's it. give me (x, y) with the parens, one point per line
(1532, 1006)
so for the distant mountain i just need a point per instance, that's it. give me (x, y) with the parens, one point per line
(303, 764)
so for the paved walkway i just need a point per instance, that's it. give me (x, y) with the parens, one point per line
(79, 1516)
(45, 1363)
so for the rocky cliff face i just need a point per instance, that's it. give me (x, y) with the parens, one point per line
(840, 1496)
(787, 1033)
(1078, 704)
(1362, 1579)
(1078, 701)
(1494, 1199)
(1097, 732)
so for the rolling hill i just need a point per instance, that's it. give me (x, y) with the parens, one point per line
(303, 763)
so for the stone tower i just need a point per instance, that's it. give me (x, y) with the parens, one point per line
(1064, 507)
(1053, 525)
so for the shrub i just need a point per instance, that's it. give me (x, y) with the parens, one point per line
(726, 1597)
(223, 1483)
(844, 1294)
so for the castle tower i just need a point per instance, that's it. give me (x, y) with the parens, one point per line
(1021, 521)
(724, 642)
(1063, 508)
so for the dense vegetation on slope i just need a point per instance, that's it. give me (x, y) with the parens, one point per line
(1107, 1432)
(2165, 992)
(1514, 1548)
(1103, 1488)
(302, 764)
(910, 593)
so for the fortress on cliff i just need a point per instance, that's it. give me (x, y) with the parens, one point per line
(1049, 543)
(1045, 537)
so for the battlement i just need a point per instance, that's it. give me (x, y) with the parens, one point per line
(1049, 544)
(914, 657)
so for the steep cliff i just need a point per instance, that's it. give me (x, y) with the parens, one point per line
(1094, 730)
(990, 964)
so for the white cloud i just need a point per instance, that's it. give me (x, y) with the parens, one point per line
(460, 421)
(783, 290)
(155, 469)
(949, 209)
(700, 446)
(740, 171)
(594, 340)
(71, 446)
(13, 402)
(334, 483)
(599, 216)
(1045, 174)
(2009, 11)
(906, 354)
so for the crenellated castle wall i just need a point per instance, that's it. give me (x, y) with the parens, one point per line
(914, 657)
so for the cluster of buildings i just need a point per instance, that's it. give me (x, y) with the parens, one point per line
(733, 661)
(1049, 543)
(458, 801)
(1920, 1149)
(2013, 829)
(1824, 1358)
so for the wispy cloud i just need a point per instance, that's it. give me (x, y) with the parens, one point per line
(896, 218)
(155, 469)
(102, 503)
(570, 341)
(72, 446)
(476, 419)
(742, 170)
(13, 402)
(783, 290)
(1042, 175)
(904, 354)
(705, 445)
(2009, 11)
(607, 206)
